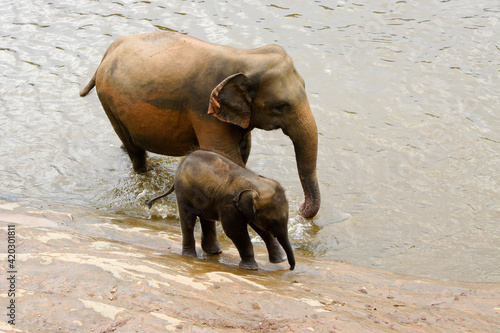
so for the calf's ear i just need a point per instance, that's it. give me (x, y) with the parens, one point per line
(230, 101)
(246, 202)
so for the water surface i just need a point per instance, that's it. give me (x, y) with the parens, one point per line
(405, 96)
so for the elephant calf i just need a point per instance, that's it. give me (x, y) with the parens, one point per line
(214, 188)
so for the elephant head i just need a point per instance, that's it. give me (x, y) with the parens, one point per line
(268, 210)
(268, 93)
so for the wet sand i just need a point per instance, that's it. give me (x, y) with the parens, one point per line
(75, 272)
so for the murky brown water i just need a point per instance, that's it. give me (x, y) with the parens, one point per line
(405, 96)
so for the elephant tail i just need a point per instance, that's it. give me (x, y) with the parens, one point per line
(89, 87)
(151, 201)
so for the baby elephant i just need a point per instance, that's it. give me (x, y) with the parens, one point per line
(214, 188)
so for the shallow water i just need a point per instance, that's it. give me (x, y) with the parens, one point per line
(405, 97)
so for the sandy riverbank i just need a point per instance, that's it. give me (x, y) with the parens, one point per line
(75, 272)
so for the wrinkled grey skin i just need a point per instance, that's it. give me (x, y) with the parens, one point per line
(214, 188)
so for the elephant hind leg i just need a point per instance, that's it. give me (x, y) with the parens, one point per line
(188, 220)
(209, 242)
(137, 155)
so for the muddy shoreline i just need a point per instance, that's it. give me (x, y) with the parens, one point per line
(75, 272)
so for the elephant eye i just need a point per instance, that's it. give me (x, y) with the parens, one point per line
(280, 108)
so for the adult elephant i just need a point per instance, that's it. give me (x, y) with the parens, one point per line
(169, 93)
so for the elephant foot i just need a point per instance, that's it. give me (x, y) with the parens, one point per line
(189, 252)
(276, 253)
(249, 264)
(137, 155)
(139, 161)
(276, 258)
(140, 166)
(212, 248)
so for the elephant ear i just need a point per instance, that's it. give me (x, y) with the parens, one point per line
(246, 202)
(230, 102)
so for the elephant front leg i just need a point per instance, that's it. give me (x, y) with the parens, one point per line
(209, 242)
(238, 233)
(188, 220)
(276, 253)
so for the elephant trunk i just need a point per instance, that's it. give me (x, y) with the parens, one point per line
(285, 243)
(304, 135)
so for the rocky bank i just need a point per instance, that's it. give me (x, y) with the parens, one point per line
(75, 271)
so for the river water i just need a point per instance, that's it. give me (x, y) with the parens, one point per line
(405, 96)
